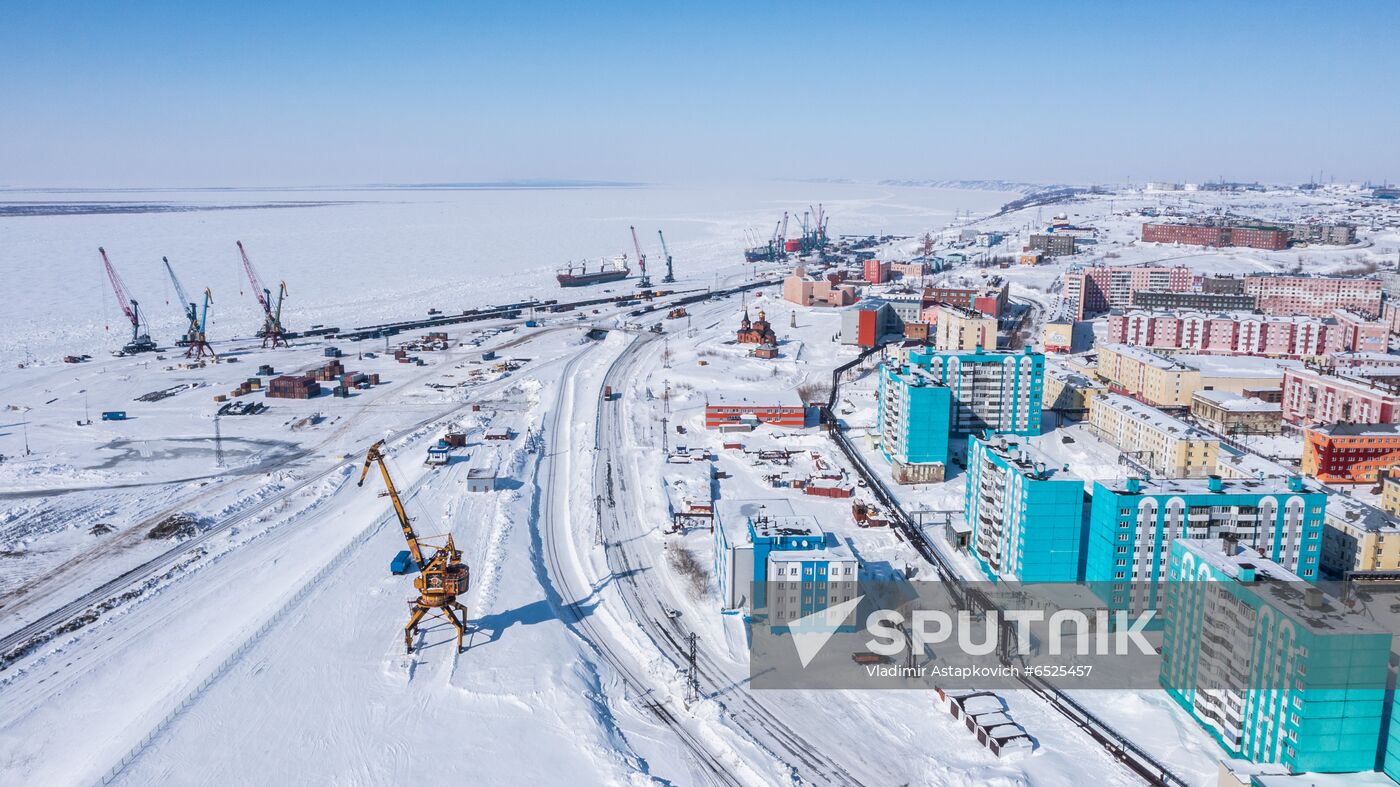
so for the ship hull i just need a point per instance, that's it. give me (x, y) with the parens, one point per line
(586, 279)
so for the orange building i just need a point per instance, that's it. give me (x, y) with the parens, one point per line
(1350, 453)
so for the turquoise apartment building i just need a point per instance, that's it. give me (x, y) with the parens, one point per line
(998, 391)
(1133, 523)
(1026, 512)
(1276, 671)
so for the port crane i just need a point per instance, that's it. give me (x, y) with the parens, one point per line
(645, 281)
(196, 345)
(442, 576)
(271, 333)
(669, 277)
(140, 342)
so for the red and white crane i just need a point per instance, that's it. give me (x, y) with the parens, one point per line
(645, 281)
(140, 342)
(271, 333)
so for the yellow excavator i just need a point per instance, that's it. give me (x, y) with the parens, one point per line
(441, 577)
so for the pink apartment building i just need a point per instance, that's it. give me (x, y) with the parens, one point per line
(1248, 333)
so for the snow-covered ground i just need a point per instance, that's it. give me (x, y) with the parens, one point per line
(267, 647)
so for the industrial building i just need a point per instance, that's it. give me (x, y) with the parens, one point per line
(1025, 511)
(1248, 333)
(1275, 671)
(1162, 444)
(913, 423)
(869, 322)
(780, 408)
(1091, 290)
(1343, 453)
(1000, 391)
(803, 290)
(1133, 522)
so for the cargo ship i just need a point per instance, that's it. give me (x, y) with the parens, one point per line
(578, 275)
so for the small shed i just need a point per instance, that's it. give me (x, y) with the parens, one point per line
(498, 433)
(438, 455)
(479, 479)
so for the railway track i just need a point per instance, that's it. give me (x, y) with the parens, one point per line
(571, 600)
(641, 597)
(23, 640)
(1115, 744)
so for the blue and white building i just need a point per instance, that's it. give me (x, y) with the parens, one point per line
(998, 391)
(1025, 511)
(1132, 524)
(762, 545)
(1276, 671)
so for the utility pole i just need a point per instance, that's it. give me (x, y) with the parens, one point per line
(218, 443)
(692, 676)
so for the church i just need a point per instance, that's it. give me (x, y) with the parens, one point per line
(758, 332)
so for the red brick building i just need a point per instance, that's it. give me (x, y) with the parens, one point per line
(775, 409)
(759, 332)
(1253, 237)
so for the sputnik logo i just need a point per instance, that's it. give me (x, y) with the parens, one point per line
(810, 633)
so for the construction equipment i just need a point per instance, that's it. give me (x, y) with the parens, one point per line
(669, 278)
(194, 342)
(271, 333)
(645, 281)
(140, 342)
(441, 577)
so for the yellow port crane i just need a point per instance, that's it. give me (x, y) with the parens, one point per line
(441, 577)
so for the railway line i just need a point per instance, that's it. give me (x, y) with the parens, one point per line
(642, 597)
(552, 487)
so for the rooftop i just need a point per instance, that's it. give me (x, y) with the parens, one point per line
(1357, 430)
(1229, 400)
(1202, 486)
(1280, 588)
(1152, 416)
(1347, 509)
(754, 398)
(1027, 459)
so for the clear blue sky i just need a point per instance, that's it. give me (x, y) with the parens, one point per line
(144, 93)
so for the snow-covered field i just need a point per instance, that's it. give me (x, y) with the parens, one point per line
(267, 648)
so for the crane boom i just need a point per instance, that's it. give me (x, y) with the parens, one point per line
(376, 455)
(641, 258)
(185, 303)
(122, 299)
(259, 292)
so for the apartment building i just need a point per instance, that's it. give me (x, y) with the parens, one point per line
(1317, 395)
(1052, 244)
(1201, 301)
(1341, 453)
(1095, 289)
(1248, 236)
(1316, 296)
(957, 328)
(1248, 333)
(1000, 391)
(1133, 523)
(1276, 671)
(1167, 446)
(1360, 539)
(1172, 381)
(913, 422)
(1025, 511)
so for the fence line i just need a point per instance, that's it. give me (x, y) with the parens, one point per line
(194, 694)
